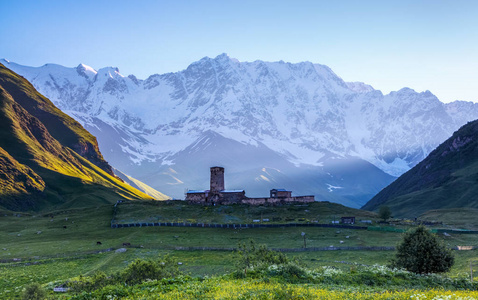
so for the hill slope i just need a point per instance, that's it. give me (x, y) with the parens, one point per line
(447, 178)
(47, 159)
(141, 186)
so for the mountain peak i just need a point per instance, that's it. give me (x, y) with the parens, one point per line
(226, 57)
(112, 72)
(221, 59)
(86, 71)
(222, 56)
(359, 87)
(406, 90)
(85, 67)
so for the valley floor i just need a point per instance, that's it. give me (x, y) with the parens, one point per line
(52, 248)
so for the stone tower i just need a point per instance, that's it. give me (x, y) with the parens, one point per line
(217, 179)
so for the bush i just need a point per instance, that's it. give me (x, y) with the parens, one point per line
(88, 284)
(142, 270)
(290, 271)
(135, 273)
(422, 252)
(259, 261)
(258, 258)
(34, 291)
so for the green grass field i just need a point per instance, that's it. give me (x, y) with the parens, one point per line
(464, 218)
(180, 211)
(51, 254)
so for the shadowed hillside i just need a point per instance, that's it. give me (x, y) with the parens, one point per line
(447, 178)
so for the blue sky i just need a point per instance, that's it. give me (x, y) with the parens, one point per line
(424, 45)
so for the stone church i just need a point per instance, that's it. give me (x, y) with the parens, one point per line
(217, 194)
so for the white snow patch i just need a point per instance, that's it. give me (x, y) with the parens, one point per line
(395, 168)
(331, 188)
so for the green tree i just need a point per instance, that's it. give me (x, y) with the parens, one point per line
(384, 212)
(34, 291)
(422, 252)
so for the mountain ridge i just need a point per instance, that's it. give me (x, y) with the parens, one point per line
(304, 112)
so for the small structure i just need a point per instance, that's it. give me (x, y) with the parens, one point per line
(347, 220)
(280, 193)
(217, 194)
(465, 247)
(61, 289)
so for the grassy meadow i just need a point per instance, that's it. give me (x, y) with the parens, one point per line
(51, 248)
(179, 211)
(218, 288)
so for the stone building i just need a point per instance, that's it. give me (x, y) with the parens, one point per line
(217, 194)
(347, 220)
(280, 193)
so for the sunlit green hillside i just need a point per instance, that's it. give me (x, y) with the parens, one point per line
(47, 159)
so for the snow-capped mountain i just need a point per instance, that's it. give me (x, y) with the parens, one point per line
(271, 124)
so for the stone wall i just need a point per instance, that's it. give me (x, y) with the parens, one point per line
(273, 201)
(240, 198)
(232, 198)
(303, 199)
(198, 198)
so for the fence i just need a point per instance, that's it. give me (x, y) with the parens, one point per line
(311, 249)
(72, 255)
(438, 231)
(456, 231)
(239, 226)
(233, 226)
(331, 248)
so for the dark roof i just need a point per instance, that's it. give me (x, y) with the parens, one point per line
(197, 191)
(281, 190)
(232, 191)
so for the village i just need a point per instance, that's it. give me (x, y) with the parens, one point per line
(217, 194)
